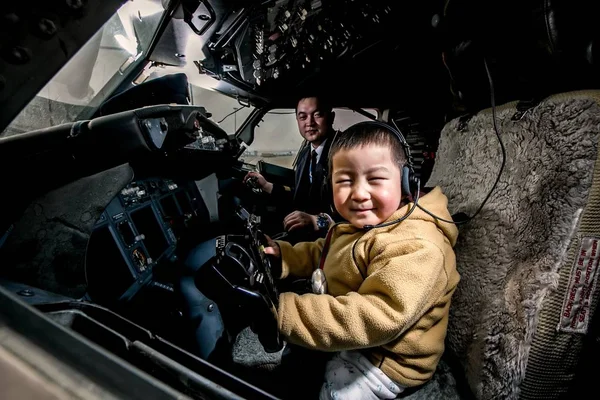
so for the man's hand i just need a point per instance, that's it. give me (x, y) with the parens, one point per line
(299, 219)
(265, 185)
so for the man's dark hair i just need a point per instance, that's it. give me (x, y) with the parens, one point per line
(324, 103)
(362, 135)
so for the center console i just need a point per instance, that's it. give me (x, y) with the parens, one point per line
(137, 231)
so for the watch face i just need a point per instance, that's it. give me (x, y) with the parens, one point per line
(321, 222)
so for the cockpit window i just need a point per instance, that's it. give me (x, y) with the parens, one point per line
(277, 140)
(84, 82)
(226, 111)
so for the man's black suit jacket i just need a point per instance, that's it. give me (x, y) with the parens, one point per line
(312, 198)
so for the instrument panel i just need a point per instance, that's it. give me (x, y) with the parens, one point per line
(285, 41)
(139, 229)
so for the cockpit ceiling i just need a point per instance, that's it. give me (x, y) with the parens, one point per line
(362, 52)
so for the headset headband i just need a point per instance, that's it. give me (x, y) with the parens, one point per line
(395, 132)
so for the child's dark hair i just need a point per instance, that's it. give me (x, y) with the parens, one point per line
(361, 135)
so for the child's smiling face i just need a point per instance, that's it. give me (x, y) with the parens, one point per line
(366, 184)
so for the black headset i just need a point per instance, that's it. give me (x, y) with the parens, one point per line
(409, 182)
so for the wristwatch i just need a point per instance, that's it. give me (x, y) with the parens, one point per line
(323, 221)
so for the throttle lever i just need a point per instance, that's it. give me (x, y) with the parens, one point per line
(252, 183)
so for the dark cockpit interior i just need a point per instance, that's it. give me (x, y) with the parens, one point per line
(132, 251)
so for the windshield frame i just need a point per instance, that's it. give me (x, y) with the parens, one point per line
(118, 82)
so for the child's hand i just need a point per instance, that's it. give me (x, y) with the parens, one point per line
(272, 248)
(274, 251)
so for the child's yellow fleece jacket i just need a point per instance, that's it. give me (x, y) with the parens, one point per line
(389, 291)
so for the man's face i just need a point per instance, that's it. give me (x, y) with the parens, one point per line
(313, 123)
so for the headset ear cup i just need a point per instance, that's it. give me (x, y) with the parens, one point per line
(406, 181)
(415, 183)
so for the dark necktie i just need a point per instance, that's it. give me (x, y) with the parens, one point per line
(313, 164)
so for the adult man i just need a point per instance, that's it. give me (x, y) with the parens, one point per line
(310, 201)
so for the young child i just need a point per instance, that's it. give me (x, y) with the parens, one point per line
(388, 288)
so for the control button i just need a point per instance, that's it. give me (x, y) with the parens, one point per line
(164, 126)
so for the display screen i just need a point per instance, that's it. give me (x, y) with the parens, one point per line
(146, 224)
(126, 233)
(184, 202)
(169, 207)
(108, 275)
